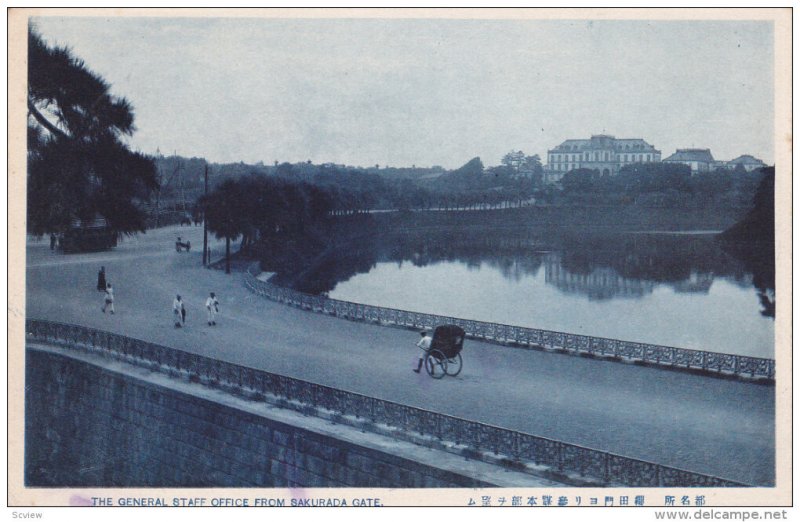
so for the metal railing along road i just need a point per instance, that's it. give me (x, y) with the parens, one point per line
(680, 358)
(478, 437)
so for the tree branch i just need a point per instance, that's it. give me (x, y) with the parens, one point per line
(44, 122)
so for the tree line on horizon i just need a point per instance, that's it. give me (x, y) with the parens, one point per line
(475, 186)
(356, 189)
(79, 169)
(661, 185)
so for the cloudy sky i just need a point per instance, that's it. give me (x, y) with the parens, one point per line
(428, 92)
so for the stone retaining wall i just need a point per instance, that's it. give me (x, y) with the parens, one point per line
(86, 426)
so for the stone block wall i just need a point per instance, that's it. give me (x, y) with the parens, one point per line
(86, 426)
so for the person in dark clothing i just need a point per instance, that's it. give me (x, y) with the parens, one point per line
(101, 279)
(52, 241)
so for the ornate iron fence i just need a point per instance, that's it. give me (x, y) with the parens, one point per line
(680, 358)
(477, 437)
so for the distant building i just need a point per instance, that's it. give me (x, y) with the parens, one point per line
(699, 160)
(719, 164)
(602, 153)
(87, 236)
(748, 162)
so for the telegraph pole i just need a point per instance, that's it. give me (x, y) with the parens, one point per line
(205, 227)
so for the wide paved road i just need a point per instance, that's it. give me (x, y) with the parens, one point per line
(720, 427)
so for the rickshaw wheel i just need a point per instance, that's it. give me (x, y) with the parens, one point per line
(436, 364)
(454, 364)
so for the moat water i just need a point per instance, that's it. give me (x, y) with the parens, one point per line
(681, 289)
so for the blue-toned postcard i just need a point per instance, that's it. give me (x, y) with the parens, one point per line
(410, 257)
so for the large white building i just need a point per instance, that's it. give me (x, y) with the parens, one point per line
(602, 153)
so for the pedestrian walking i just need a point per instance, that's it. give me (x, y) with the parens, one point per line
(425, 345)
(178, 311)
(212, 309)
(101, 279)
(52, 241)
(108, 299)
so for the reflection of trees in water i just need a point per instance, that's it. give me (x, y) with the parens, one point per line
(758, 258)
(512, 255)
(330, 270)
(752, 240)
(600, 266)
(634, 264)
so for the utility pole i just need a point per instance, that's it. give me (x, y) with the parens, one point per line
(206, 259)
(160, 177)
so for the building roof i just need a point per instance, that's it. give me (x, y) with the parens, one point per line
(746, 159)
(605, 142)
(702, 155)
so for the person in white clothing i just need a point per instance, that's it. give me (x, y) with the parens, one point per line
(108, 299)
(424, 344)
(177, 311)
(212, 309)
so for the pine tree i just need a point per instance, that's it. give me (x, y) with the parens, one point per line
(78, 166)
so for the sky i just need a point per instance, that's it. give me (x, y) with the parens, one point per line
(428, 92)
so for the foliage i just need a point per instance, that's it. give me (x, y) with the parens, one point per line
(262, 207)
(639, 178)
(659, 185)
(580, 180)
(78, 166)
(753, 240)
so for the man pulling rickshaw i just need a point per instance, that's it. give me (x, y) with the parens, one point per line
(442, 352)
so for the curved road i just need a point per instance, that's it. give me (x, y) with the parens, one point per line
(714, 426)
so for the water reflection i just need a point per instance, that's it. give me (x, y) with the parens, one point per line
(598, 283)
(680, 290)
(599, 266)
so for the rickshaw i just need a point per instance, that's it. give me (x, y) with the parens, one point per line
(444, 355)
(180, 245)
